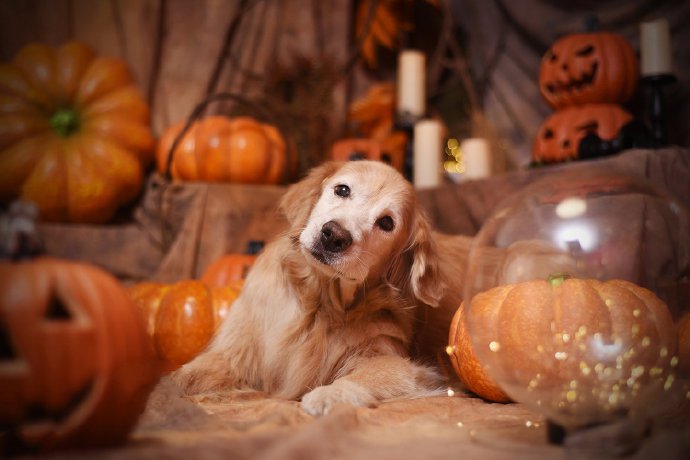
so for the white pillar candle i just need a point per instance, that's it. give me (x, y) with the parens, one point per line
(476, 157)
(411, 82)
(655, 48)
(428, 149)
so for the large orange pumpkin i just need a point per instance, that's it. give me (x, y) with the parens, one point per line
(597, 67)
(221, 149)
(74, 132)
(182, 317)
(559, 136)
(580, 350)
(466, 364)
(76, 368)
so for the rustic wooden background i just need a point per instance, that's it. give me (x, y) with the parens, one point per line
(181, 50)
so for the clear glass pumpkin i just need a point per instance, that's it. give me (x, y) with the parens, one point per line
(546, 320)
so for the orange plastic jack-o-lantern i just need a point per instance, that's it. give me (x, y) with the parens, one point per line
(586, 68)
(558, 137)
(76, 368)
(368, 149)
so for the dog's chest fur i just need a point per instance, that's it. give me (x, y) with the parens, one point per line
(322, 342)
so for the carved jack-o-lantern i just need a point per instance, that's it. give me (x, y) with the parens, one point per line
(587, 68)
(75, 365)
(368, 149)
(559, 136)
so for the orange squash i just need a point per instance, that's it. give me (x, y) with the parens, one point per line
(221, 149)
(558, 138)
(182, 317)
(74, 133)
(465, 363)
(597, 67)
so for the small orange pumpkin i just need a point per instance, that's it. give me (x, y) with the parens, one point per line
(221, 149)
(597, 67)
(228, 269)
(182, 317)
(465, 363)
(558, 138)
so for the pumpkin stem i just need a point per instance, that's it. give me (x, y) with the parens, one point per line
(19, 237)
(65, 121)
(556, 279)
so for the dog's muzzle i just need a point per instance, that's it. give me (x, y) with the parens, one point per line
(333, 240)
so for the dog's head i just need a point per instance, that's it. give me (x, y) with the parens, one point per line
(360, 221)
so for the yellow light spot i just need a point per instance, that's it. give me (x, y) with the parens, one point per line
(669, 382)
(566, 338)
(494, 346)
(573, 384)
(646, 341)
(451, 393)
(460, 425)
(655, 371)
(599, 367)
(529, 424)
(635, 329)
(637, 371)
(450, 349)
(609, 303)
(581, 332)
(561, 355)
(636, 312)
(571, 396)
(613, 398)
(674, 361)
(540, 348)
(663, 352)
(585, 368)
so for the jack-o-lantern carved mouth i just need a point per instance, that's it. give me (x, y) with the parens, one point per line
(14, 364)
(574, 85)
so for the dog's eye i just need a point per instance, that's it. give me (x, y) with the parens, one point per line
(342, 190)
(386, 223)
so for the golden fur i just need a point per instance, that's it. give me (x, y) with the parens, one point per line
(339, 327)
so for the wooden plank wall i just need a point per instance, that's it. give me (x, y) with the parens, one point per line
(175, 48)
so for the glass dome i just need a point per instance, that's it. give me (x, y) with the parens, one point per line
(573, 286)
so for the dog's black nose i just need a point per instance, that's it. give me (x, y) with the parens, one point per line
(335, 238)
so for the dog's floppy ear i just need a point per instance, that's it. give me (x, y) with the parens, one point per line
(301, 197)
(417, 268)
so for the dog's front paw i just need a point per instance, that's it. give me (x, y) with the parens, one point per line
(321, 400)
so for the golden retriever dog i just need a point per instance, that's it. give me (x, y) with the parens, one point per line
(331, 311)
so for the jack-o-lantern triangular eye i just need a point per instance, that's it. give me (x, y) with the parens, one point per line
(585, 51)
(57, 311)
(7, 352)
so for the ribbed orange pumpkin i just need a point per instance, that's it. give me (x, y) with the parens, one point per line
(182, 317)
(74, 133)
(597, 67)
(221, 149)
(581, 348)
(465, 363)
(558, 138)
